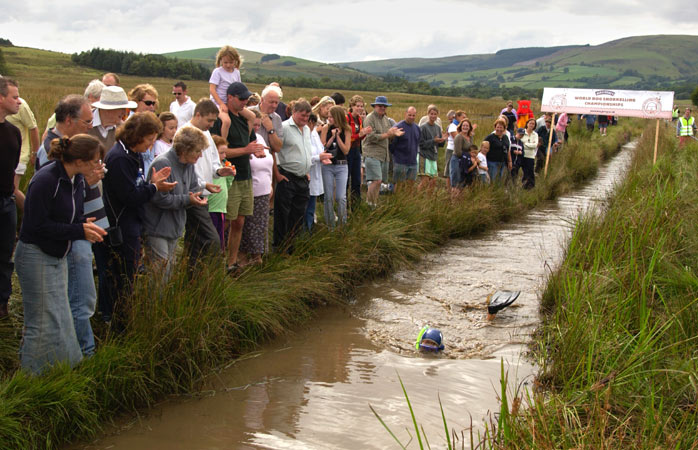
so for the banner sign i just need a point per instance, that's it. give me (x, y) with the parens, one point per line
(610, 102)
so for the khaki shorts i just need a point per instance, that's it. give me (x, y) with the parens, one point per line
(376, 169)
(427, 166)
(240, 199)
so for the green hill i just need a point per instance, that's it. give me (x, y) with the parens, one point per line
(641, 62)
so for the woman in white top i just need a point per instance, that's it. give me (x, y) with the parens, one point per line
(316, 185)
(530, 145)
(254, 233)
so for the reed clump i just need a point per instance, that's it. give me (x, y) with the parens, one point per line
(617, 347)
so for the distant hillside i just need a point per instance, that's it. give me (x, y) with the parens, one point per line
(274, 65)
(641, 62)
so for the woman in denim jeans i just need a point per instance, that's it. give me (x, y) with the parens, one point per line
(53, 218)
(336, 137)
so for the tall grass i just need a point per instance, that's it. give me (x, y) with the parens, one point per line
(179, 332)
(617, 347)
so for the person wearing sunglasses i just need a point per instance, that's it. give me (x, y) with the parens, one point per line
(182, 106)
(146, 98)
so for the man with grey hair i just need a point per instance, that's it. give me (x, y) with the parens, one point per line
(92, 93)
(107, 114)
(271, 129)
(293, 162)
(74, 116)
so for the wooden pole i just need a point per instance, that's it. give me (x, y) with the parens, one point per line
(550, 141)
(656, 140)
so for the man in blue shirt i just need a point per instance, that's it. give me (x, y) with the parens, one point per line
(404, 148)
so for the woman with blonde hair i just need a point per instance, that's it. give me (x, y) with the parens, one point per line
(322, 111)
(336, 137)
(499, 156)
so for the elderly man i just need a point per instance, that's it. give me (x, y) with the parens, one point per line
(685, 128)
(200, 235)
(271, 129)
(240, 196)
(92, 93)
(11, 144)
(74, 116)
(293, 191)
(182, 106)
(405, 148)
(26, 123)
(109, 110)
(375, 147)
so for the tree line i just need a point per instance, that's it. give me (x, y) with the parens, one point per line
(146, 65)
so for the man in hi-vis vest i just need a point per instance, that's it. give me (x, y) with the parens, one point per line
(685, 128)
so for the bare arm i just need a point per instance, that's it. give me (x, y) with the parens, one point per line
(345, 144)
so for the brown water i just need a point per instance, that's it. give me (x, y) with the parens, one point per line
(312, 390)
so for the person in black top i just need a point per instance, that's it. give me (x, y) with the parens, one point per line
(336, 137)
(516, 151)
(53, 220)
(10, 146)
(125, 195)
(498, 158)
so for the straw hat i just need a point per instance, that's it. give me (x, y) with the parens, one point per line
(114, 97)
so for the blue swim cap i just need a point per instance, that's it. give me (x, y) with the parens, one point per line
(429, 339)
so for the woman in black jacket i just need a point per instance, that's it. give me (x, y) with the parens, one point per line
(53, 218)
(125, 194)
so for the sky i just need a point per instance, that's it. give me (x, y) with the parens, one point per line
(337, 31)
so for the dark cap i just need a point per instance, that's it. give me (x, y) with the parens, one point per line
(520, 131)
(239, 90)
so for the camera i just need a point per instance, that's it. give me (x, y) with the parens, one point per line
(114, 236)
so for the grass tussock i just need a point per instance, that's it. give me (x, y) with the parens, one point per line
(617, 348)
(182, 330)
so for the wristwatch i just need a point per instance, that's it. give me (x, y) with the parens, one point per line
(272, 131)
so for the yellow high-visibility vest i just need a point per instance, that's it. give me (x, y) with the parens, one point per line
(686, 128)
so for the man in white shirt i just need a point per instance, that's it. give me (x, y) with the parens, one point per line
(200, 235)
(182, 106)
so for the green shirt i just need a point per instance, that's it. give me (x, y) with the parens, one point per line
(218, 201)
(373, 145)
(239, 136)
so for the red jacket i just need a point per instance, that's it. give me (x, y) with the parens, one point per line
(355, 134)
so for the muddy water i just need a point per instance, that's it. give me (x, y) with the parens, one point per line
(312, 390)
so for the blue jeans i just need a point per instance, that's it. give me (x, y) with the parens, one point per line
(49, 333)
(82, 294)
(454, 171)
(354, 163)
(497, 170)
(334, 180)
(402, 172)
(310, 212)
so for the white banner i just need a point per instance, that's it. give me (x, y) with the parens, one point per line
(610, 102)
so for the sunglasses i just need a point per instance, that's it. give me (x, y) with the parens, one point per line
(149, 102)
(177, 93)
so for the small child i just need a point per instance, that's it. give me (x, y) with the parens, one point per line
(228, 63)
(482, 162)
(217, 201)
(470, 163)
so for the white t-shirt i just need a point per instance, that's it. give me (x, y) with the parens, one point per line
(183, 112)
(452, 128)
(482, 162)
(222, 79)
(160, 147)
(208, 164)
